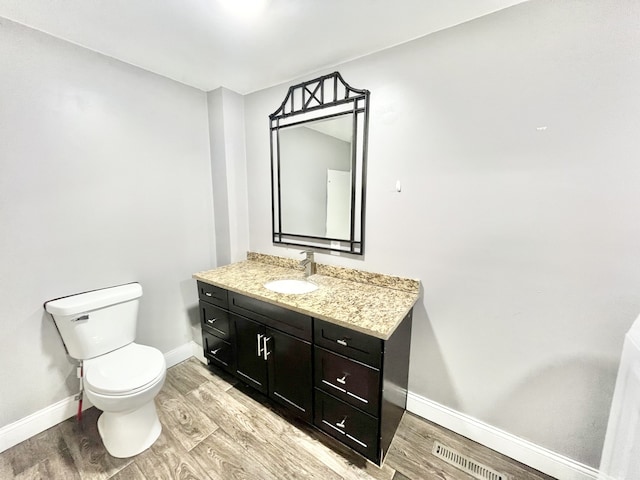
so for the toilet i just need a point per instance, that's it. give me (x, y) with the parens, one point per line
(120, 377)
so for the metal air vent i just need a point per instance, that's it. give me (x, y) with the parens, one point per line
(466, 464)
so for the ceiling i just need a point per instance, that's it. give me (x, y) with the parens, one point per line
(199, 43)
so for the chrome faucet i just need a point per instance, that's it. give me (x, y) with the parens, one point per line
(308, 263)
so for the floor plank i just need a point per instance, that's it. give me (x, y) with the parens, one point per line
(6, 471)
(171, 464)
(186, 377)
(226, 459)
(130, 472)
(187, 423)
(167, 458)
(35, 472)
(62, 466)
(48, 444)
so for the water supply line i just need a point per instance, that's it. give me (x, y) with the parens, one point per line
(80, 374)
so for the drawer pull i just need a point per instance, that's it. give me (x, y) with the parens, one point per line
(343, 380)
(342, 342)
(357, 441)
(211, 320)
(341, 423)
(332, 426)
(208, 294)
(334, 386)
(357, 397)
(215, 352)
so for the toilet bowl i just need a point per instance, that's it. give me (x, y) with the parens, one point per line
(120, 377)
(123, 384)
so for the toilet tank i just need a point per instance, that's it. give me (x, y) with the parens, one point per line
(97, 322)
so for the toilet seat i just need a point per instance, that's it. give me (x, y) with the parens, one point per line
(125, 371)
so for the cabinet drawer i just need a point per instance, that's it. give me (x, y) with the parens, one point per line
(287, 321)
(215, 319)
(213, 294)
(217, 350)
(347, 342)
(348, 424)
(350, 381)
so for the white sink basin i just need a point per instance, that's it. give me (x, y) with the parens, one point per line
(292, 286)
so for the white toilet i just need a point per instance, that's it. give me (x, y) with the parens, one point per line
(121, 378)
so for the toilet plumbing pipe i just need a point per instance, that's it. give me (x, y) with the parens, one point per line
(80, 373)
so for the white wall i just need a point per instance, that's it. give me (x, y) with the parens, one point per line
(516, 140)
(104, 179)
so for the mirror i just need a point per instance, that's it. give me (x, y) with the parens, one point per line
(318, 166)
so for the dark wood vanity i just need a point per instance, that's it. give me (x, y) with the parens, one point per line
(350, 385)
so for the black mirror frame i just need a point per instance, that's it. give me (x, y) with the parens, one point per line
(324, 97)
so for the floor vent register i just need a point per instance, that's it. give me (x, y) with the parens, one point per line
(466, 464)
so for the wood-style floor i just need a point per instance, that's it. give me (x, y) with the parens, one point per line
(214, 428)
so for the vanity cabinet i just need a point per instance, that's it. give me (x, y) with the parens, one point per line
(351, 385)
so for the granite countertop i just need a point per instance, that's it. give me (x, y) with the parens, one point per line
(370, 303)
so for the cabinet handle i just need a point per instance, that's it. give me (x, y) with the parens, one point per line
(211, 320)
(341, 424)
(208, 294)
(342, 342)
(259, 338)
(264, 348)
(215, 352)
(342, 380)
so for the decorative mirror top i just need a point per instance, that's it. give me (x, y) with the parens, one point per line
(323, 92)
(318, 161)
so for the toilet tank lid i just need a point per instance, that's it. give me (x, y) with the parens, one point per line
(88, 301)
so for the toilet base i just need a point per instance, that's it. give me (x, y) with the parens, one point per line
(126, 434)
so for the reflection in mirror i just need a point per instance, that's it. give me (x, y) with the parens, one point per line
(318, 153)
(315, 179)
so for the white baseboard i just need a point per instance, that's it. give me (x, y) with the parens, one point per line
(505, 443)
(52, 415)
(37, 422)
(180, 354)
(198, 352)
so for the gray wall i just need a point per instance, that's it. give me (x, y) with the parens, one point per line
(228, 174)
(516, 140)
(104, 179)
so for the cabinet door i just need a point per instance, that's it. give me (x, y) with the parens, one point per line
(250, 364)
(290, 372)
